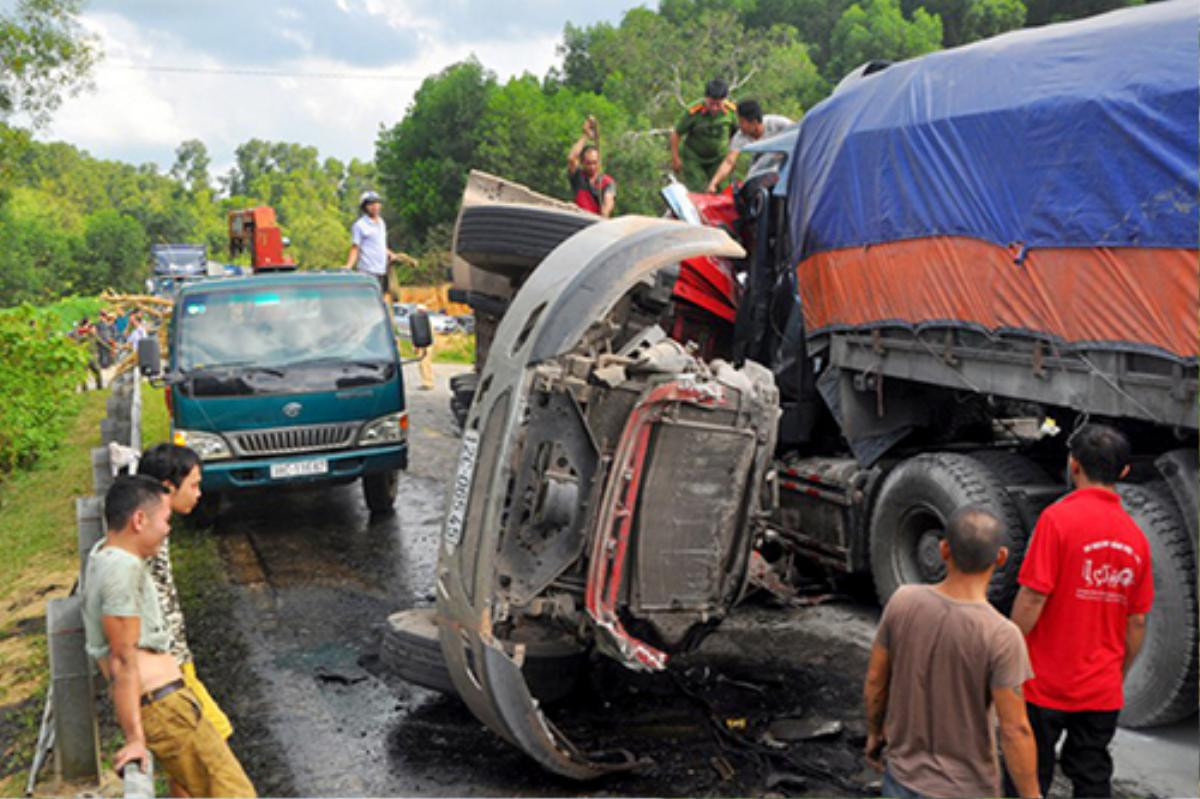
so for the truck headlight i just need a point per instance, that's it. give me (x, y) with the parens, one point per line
(384, 430)
(209, 446)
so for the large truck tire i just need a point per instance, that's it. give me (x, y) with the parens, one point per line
(1012, 468)
(915, 502)
(380, 491)
(412, 651)
(1161, 685)
(510, 239)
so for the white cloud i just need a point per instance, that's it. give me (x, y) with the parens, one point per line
(138, 115)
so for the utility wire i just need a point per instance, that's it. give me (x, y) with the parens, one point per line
(263, 73)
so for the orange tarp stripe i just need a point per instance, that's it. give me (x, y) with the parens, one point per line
(1132, 295)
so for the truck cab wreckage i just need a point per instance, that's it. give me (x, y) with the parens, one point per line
(666, 412)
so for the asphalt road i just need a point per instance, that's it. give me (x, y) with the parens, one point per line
(314, 578)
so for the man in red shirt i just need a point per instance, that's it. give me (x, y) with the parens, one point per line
(590, 188)
(1086, 586)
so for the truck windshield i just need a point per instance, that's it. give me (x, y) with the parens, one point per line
(281, 326)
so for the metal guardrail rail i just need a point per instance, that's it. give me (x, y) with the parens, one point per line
(69, 726)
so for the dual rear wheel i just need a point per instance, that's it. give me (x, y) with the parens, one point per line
(919, 495)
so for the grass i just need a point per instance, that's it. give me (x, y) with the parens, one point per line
(41, 560)
(448, 348)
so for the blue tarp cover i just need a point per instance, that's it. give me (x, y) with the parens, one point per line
(1079, 134)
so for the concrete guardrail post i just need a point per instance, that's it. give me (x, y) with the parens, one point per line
(76, 733)
(89, 520)
(102, 476)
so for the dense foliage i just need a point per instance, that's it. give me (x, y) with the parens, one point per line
(73, 224)
(42, 368)
(70, 223)
(638, 76)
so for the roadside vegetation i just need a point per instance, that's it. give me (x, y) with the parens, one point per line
(41, 560)
(42, 369)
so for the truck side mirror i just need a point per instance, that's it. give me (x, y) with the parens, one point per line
(419, 329)
(149, 357)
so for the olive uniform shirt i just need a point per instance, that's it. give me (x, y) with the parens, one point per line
(705, 140)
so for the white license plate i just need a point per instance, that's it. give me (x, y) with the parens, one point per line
(462, 488)
(299, 468)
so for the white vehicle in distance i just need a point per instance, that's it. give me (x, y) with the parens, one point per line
(439, 322)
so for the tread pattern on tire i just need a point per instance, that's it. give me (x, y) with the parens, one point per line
(979, 486)
(514, 236)
(1153, 507)
(1011, 467)
(416, 659)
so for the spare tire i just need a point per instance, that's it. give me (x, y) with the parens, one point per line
(1161, 685)
(510, 239)
(412, 650)
(915, 502)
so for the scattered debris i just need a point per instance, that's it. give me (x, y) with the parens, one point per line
(327, 676)
(782, 779)
(813, 729)
(723, 767)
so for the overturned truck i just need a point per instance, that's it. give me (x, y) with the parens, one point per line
(959, 259)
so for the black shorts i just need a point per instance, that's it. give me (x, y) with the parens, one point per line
(382, 280)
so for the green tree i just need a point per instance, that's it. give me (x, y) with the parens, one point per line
(580, 70)
(655, 68)
(1043, 11)
(877, 29)
(191, 165)
(44, 54)
(35, 261)
(525, 131)
(423, 161)
(813, 20)
(115, 253)
(987, 18)
(968, 20)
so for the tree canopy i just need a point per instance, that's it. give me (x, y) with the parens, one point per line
(73, 223)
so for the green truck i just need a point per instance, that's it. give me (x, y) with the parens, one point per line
(285, 378)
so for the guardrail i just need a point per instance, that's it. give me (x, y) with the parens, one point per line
(69, 724)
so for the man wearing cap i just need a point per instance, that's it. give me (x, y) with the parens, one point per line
(368, 250)
(703, 131)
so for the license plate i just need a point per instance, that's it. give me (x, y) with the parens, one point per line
(462, 488)
(299, 468)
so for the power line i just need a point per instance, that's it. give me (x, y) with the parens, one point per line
(262, 73)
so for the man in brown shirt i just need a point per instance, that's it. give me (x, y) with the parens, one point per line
(943, 657)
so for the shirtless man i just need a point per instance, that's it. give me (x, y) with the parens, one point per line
(127, 636)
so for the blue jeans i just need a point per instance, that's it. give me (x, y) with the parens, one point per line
(893, 788)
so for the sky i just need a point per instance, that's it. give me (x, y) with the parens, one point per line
(225, 71)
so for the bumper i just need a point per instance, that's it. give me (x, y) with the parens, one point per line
(344, 465)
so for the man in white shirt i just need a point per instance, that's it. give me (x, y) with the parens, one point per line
(368, 249)
(752, 126)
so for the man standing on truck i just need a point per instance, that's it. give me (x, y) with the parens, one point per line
(942, 658)
(368, 248)
(591, 189)
(701, 136)
(752, 126)
(1086, 587)
(126, 634)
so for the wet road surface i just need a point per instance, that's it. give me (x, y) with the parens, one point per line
(314, 578)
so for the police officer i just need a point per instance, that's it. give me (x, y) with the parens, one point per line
(704, 131)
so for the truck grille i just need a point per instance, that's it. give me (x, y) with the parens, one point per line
(292, 440)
